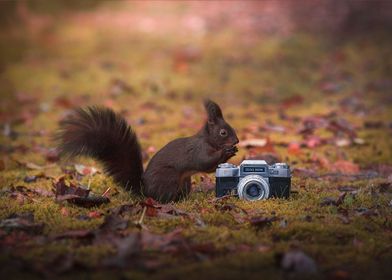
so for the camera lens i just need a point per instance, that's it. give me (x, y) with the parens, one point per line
(253, 187)
(253, 190)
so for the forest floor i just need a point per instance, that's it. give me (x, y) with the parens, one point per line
(323, 106)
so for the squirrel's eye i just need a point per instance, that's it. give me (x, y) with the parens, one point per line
(223, 132)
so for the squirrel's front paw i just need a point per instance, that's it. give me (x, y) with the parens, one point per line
(229, 152)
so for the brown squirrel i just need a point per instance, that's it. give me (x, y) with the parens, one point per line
(106, 136)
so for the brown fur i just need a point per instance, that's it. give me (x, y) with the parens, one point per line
(104, 135)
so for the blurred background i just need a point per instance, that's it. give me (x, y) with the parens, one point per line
(154, 61)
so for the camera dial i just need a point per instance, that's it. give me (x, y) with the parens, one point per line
(226, 165)
(253, 187)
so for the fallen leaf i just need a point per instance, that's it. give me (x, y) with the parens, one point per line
(341, 198)
(270, 127)
(119, 87)
(373, 124)
(85, 170)
(327, 201)
(342, 142)
(23, 222)
(75, 234)
(313, 141)
(170, 243)
(23, 194)
(95, 214)
(347, 189)
(167, 210)
(13, 239)
(87, 202)
(182, 58)
(127, 249)
(250, 143)
(223, 207)
(340, 125)
(262, 222)
(345, 220)
(113, 222)
(61, 188)
(263, 248)
(363, 211)
(152, 207)
(294, 148)
(298, 262)
(33, 178)
(303, 172)
(64, 211)
(385, 187)
(33, 166)
(359, 141)
(61, 263)
(292, 101)
(126, 208)
(344, 166)
(83, 217)
(330, 87)
(320, 160)
(204, 248)
(77, 195)
(310, 124)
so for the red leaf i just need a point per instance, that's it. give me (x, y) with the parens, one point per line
(64, 212)
(294, 148)
(152, 206)
(345, 166)
(95, 214)
(292, 101)
(313, 141)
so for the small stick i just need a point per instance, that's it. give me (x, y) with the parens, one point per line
(89, 183)
(140, 222)
(106, 192)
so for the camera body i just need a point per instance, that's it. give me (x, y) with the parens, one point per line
(253, 180)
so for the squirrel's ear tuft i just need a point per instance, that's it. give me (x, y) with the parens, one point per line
(213, 110)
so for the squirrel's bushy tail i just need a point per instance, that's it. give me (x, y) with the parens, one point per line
(106, 136)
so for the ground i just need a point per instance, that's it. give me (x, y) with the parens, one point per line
(322, 105)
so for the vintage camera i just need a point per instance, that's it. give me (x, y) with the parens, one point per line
(253, 180)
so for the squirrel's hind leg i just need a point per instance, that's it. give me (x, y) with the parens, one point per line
(162, 185)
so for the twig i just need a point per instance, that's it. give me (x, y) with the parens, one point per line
(140, 222)
(106, 192)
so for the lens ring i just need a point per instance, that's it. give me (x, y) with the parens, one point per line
(250, 181)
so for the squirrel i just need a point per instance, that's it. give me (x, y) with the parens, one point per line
(101, 133)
